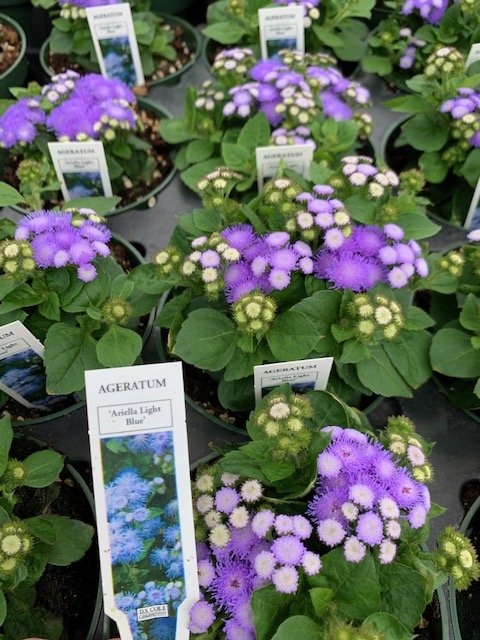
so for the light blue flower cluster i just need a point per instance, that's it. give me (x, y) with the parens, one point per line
(144, 529)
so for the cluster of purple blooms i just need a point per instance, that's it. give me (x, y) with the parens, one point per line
(292, 98)
(363, 495)
(432, 11)
(409, 54)
(299, 135)
(135, 530)
(72, 108)
(62, 238)
(247, 549)
(465, 109)
(368, 255)
(83, 4)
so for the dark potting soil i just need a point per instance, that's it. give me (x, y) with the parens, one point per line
(61, 62)
(468, 600)
(10, 46)
(127, 191)
(67, 592)
(430, 626)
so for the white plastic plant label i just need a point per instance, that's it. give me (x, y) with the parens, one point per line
(141, 479)
(472, 221)
(295, 156)
(302, 375)
(281, 28)
(81, 168)
(22, 370)
(115, 42)
(473, 54)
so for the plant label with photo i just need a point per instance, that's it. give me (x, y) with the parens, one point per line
(81, 169)
(141, 479)
(297, 157)
(115, 42)
(281, 28)
(22, 370)
(473, 54)
(472, 221)
(302, 375)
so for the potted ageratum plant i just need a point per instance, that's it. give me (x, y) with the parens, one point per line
(291, 276)
(60, 279)
(319, 529)
(442, 134)
(167, 44)
(332, 24)
(304, 99)
(75, 108)
(39, 542)
(401, 44)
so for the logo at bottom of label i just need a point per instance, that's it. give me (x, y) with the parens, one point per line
(154, 611)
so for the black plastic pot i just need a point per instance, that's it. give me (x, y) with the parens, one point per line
(15, 75)
(191, 36)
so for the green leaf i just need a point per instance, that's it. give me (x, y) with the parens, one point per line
(68, 353)
(433, 166)
(361, 209)
(269, 609)
(3, 607)
(225, 32)
(199, 150)
(426, 131)
(402, 593)
(72, 540)
(22, 296)
(409, 354)
(290, 628)
(237, 157)
(42, 468)
(326, 36)
(452, 354)
(236, 395)
(411, 104)
(6, 435)
(416, 319)
(255, 133)
(41, 528)
(380, 376)
(50, 308)
(353, 352)
(470, 313)
(391, 628)
(101, 204)
(175, 131)
(417, 226)
(355, 585)
(60, 42)
(278, 470)
(9, 195)
(119, 347)
(377, 64)
(320, 597)
(207, 339)
(470, 169)
(292, 336)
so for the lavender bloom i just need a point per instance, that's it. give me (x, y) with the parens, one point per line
(56, 241)
(464, 108)
(18, 124)
(431, 11)
(361, 494)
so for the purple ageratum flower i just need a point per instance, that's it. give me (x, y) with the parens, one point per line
(285, 579)
(202, 616)
(262, 522)
(370, 528)
(432, 11)
(232, 584)
(334, 107)
(20, 123)
(346, 270)
(288, 550)
(239, 236)
(226, 499)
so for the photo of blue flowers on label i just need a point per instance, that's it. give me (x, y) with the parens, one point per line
(144, 531)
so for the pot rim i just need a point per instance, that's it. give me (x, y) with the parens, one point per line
(23, 48)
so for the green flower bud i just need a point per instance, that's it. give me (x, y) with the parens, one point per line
(117, 311)
(254, 312)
